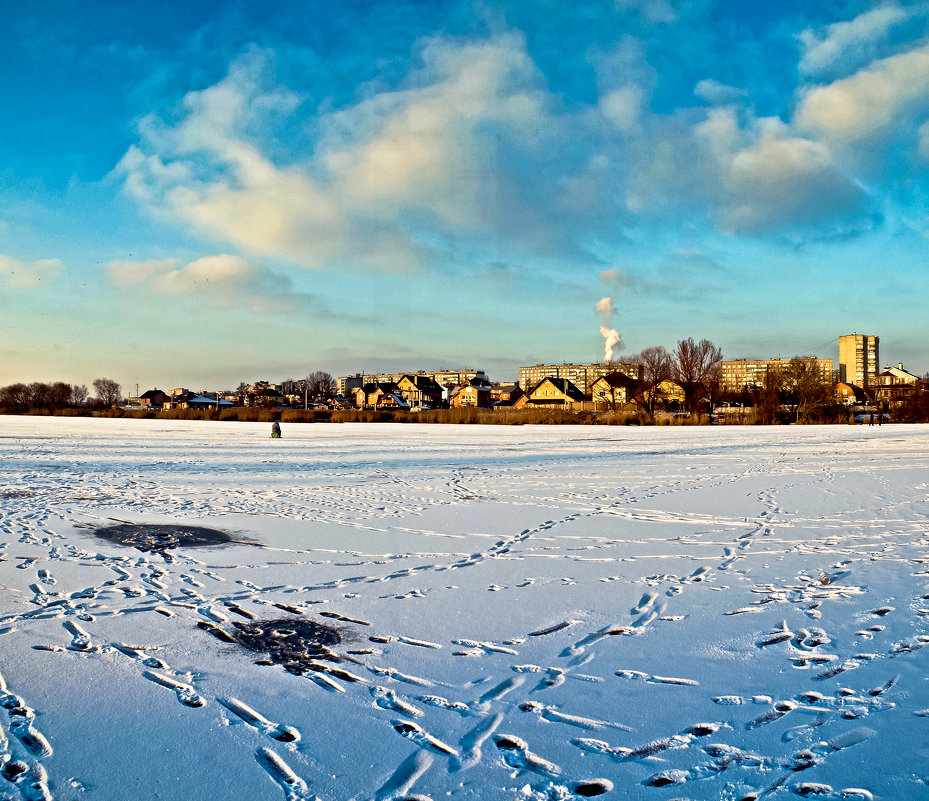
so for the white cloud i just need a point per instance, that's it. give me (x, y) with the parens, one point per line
(873, 102)
(718, 93)
(851, 41)
(623, 107)
(221, 281)
(767, 177)
(433, 148)
(29, 274)
(125, 274)
(472, 149)
(209, 274)
(785, 180)
(427, 153)
(924, 141)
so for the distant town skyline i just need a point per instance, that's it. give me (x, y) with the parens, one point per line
(216, 192)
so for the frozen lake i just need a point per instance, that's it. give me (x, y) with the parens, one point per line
(426, 612)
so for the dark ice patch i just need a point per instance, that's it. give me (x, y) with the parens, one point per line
(160, 537)
(295, 643)
(594, 787)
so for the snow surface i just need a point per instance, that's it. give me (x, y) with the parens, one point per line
(524, 612)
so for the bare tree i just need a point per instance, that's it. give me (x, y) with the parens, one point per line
(656, 367)
(60, 395)
(39, 396)
(807, 386)
(768, 398)
(15, 398)
(108, 392)
(79, 395)
(320, 386)
(696, 369)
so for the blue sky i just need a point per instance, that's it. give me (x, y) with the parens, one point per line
(199, 194)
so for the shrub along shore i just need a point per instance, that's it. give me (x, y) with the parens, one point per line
(459, 416)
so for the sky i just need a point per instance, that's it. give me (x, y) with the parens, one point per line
(199, 194)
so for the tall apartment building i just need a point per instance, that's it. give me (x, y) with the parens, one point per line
(859, 361)
(444, 378)
(736, 374)
(581, 375)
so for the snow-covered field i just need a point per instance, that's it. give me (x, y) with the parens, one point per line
(464, 612)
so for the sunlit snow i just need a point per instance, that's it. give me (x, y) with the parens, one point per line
(462, 611)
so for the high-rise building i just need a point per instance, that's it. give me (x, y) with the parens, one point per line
(859, 361)
(738, 374)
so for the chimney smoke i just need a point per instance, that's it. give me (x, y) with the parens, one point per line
(611, 337)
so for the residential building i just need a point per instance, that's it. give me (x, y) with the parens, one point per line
(420, 390)
(194, 400)
(505, 394)
(669, 396)
(555, 392)
(382, 395)
(262, 393)
(849, 394)
(153, 399)
(347, 384)
(738, 374)
(581, 376)
(613, 390)
(477, 395)
(859, 359)
(446, 379)
(895, 385)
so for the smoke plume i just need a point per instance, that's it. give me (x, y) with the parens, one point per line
(611, 338)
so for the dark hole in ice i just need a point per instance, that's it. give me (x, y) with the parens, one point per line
(507, 743)
(403, 727)
(293, 643)
(593, 788)
(659, 781)
(159, 537)
(12, 771)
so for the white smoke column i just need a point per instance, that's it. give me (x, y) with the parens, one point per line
(610, 336)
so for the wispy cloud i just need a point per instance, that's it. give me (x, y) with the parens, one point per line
(221, 281)
(718, 93)
(844, 46)
(871, 104)
(29, 274)
(422, 157)
(471, 152)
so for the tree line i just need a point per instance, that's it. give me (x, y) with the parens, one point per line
(316, 387)
(796, 392)
(693, 366)
(39, 397)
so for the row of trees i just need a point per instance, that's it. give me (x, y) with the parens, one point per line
(317, 387)
(797, 389)
(694, 366)
(40, 397)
